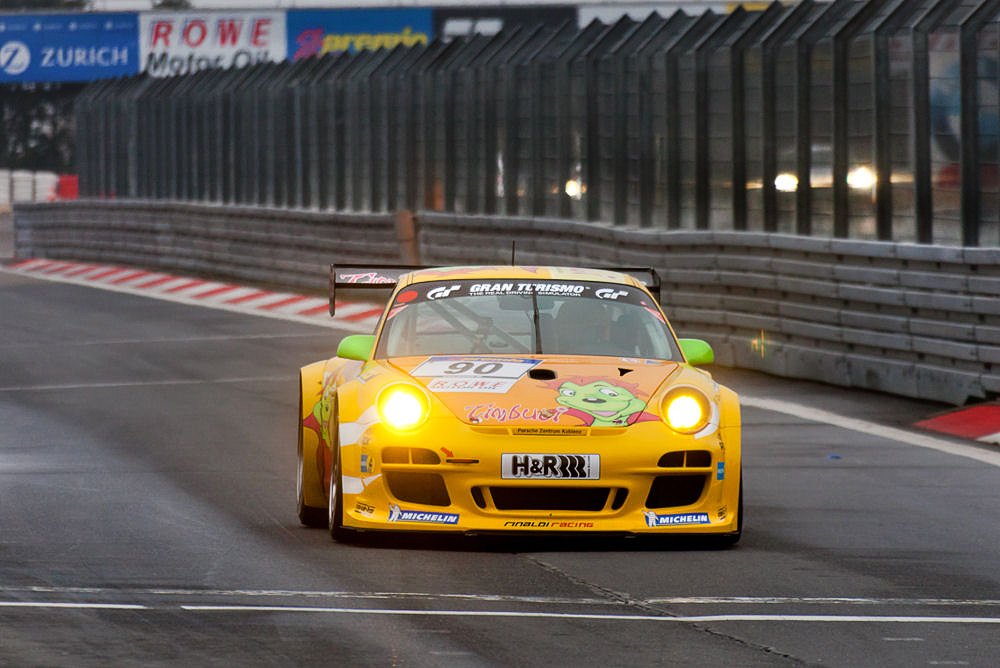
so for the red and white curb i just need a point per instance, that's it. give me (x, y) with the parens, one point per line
(981, 423)
(353, 316)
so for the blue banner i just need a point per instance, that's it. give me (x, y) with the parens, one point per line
(68, 47)
(317, 31)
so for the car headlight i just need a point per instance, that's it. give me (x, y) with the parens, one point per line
(402, 406)
(686, 410)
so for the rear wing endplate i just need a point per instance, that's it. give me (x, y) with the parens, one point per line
(366, 277)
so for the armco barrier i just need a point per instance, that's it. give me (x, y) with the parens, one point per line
(292, 248)
(916, 320)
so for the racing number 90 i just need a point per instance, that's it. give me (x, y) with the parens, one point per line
(484, 369)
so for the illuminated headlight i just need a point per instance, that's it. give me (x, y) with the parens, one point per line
(786, 183)
(403, 406)
(861, 178)
(686, 410)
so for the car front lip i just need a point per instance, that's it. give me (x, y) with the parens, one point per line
(628, 461)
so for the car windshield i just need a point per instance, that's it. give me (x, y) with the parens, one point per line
(525, 317)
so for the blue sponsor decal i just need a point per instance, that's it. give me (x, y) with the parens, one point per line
(364, 463)
(68, 47)
(313, 32)
(654, 520)
(720, 471)
(398, 515)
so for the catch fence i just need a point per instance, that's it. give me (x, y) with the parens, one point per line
(862, 119)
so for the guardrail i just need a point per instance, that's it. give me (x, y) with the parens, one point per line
(910, 319)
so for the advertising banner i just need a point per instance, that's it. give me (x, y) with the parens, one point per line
(67, 47)
(174, 43)
(317, 31)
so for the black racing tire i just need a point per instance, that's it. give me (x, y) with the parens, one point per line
(310, 516)
(335, 505)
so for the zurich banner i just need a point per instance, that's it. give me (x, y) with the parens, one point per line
(68, 47)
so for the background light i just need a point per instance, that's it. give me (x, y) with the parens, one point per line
(786, 183)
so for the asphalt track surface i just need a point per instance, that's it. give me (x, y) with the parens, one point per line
(147, 478)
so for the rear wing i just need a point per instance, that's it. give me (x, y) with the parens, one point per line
(385, 277)
(648, 276)
(366, 276)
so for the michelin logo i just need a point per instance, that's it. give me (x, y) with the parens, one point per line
(654, 520)
(397, 515)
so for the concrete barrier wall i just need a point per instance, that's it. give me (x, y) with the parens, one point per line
(914, 320)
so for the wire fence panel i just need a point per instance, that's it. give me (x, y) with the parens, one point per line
(863, 119)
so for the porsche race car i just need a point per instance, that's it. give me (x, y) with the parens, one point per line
(517, 399)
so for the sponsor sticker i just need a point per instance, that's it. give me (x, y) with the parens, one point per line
(464, 373)
(396, 514)
(549, 467)
(654, 520)
(365, 277)
(720, 471)
(364, 508)
(569, 289)
(548, 524)
(550, 431)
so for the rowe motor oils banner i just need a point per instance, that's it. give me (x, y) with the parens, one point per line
(67, 47)
(172, 43)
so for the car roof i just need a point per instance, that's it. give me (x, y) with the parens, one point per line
(518, 272)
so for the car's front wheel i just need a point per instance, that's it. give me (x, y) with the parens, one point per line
(335, 505)
(308, 515)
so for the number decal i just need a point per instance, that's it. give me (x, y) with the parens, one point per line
(458, 367)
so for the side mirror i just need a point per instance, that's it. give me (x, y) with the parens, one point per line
(356, 347)
(697, 351)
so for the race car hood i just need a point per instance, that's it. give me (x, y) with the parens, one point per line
(541, 391)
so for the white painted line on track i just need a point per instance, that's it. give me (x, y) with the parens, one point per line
(85, 606)
(504, 598)
(608, 617)
(872, 429)
(686, 619)
(822, 600)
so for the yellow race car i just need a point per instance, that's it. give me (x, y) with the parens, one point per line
(517, 399)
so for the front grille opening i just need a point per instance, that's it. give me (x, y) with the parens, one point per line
(672, 460)
(397, 455)
(697, 458)
(669, 491)
(477, 496)
(550, 498)
(425, 488)
(422, 456)
(689, 458)
(620, 497)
